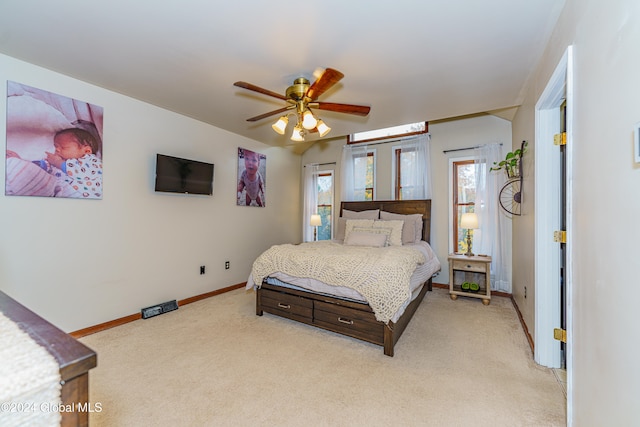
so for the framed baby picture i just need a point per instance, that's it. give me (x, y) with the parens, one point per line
(252, 178)
(54, 145)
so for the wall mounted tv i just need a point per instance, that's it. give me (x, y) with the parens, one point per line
(176, 175)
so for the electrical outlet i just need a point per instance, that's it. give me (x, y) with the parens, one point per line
(202, 269)
(226, 265)
(525, 292)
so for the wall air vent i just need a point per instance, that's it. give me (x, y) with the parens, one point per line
(154, 310)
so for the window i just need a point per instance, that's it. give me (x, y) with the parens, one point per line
(363, 176)
(325, 203)
(387, 133)
(406, 172)
(403, 168)
(464, 197)
(410, 171)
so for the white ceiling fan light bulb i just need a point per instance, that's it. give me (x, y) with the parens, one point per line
(308, 121)
(280, 125)
(298, 133)
(323, 129)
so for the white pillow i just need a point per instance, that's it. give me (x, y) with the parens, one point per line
(375, 230)
(412, 230)
(351, 223)
(360, 238)
(341, 228)
(371, 214)
(395, 238)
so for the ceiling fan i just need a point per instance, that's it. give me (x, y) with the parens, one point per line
(301, 96)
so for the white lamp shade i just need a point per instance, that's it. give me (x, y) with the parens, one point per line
(308, 121)
(323, 129)
(315, 220)
(297, 134)
(280, 125)
(469, 220)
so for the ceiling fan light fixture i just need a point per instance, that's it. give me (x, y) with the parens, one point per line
(280, 125)
(298, 133)
(308, 120)
(323, 129)
(300, 97)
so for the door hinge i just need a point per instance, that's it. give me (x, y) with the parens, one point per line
(560, 334)
(560, 236)
(560, 139)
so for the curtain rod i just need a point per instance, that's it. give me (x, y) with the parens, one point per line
(463, 149)
(321, 164)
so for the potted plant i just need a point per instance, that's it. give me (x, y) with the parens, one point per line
(511, 162)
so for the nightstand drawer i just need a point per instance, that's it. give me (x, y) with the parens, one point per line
(479, 267)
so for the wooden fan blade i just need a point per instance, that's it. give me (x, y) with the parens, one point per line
(358, 110)
(324, 83)
(258, 89)
(270, 113)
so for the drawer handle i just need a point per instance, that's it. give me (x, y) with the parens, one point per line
(347, 321)
(468, 266)
(285, 306)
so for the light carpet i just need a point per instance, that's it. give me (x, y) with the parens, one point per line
(214, 362)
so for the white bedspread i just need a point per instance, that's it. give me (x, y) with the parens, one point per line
(383, 277)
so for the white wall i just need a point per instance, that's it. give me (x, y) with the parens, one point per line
(139, 247)
(604, 379)
(445, 135)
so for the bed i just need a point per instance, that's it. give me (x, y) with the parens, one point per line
(357, 312)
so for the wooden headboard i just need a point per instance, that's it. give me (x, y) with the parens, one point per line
(404, 207)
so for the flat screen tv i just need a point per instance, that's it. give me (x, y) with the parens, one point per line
(176, 175)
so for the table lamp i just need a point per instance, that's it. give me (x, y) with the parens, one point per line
(469, 221)
(315, 222)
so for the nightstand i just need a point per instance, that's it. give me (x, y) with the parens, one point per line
(470, 269)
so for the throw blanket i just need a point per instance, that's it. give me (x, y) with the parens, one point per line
(381, 275)
(29, 380)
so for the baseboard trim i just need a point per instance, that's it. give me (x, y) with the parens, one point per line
(524, 326)
(126, 319)
(210, 294)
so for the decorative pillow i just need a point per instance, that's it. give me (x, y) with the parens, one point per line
(341, 227)
(372, 214)
(351, 223)
(395, 238)
(347, 214)
(375, 230)
(360, 238)
(412, 230)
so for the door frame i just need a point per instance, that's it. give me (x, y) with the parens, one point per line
(547, 218)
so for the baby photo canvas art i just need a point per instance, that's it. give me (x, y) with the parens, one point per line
(54, 145)
(252, 178)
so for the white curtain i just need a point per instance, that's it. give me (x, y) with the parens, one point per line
(310, 200)
(494, 235)
(348, 177)
(418, 177)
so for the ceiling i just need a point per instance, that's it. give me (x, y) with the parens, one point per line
(410, 61)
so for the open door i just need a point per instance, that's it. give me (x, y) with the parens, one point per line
(553, 218)
(560, 333)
